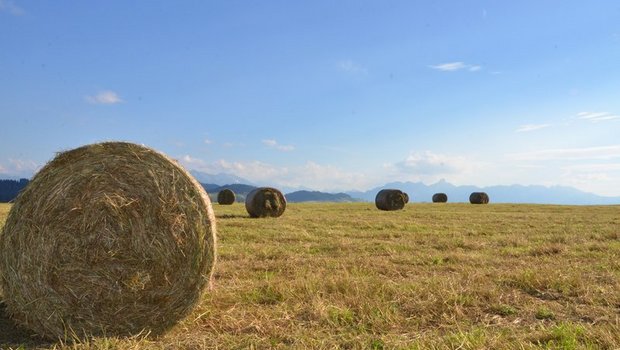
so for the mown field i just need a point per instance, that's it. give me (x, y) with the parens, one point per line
(432, 276)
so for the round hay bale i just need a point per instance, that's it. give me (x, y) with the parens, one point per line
(226, 197)
(265, 202)
(390, 199)
(479, 198)
(107, 239)
(440, 198)
(406, 197)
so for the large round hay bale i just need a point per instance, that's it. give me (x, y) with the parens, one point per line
(265, 202)
(406, 196)
(390, 199)
(440, 198)
(226, 197)
(479, 198)
(107, 239)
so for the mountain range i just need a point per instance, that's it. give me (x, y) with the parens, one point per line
(316, 196)
(417, 191)
(534, 194)
(241, 191)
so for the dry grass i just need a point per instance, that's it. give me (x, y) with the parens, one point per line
(426, 277)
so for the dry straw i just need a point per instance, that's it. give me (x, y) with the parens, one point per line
(390, 199)
(107, 239)
(265, 202)
(440, 198)
(226, 197)
(479, 198)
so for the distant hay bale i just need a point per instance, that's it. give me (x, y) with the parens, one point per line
(440, 198)
(479, 198)
(390, 199)
(406, 196)
(107, 239)
(265, 202)
(226, 197)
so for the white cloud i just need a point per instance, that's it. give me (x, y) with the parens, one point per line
(21, 165)
(105, 98)
(429, 163)
(270, 143)
(455, 66)
(10, 7)
(207, 141)
(309, 175)
(19, 168)
(352, 67)
(597, 116)
(532, 127)
(600, 178)
(449, 66)
(594, 167)
(275, 145)
(191, 162)
(430, 167)
(328, 177)
(605, 152)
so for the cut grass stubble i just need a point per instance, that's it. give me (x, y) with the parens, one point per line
(455, 275)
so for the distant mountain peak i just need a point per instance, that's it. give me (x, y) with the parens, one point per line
(317, 196)
(535, 194)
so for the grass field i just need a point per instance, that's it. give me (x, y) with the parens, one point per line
(432, 276)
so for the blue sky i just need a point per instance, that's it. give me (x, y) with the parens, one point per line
(329, 95)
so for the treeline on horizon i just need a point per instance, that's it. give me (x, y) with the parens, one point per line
(9, 189)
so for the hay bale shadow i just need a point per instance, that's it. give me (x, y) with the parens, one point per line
(13, 336)
(231, 216)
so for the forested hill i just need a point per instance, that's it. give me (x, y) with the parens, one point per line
(10, 188)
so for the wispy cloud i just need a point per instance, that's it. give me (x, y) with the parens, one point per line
(275, 145)
(531, 127)
(455, 66)
(208, 141)
(594, 167)
(601, 178)
(605, 152)
(309, 175)
(10, 7)
(597, 116)
(351, 67)
(434, 164)
(191, 162)
(105, 98)
(19, 167)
